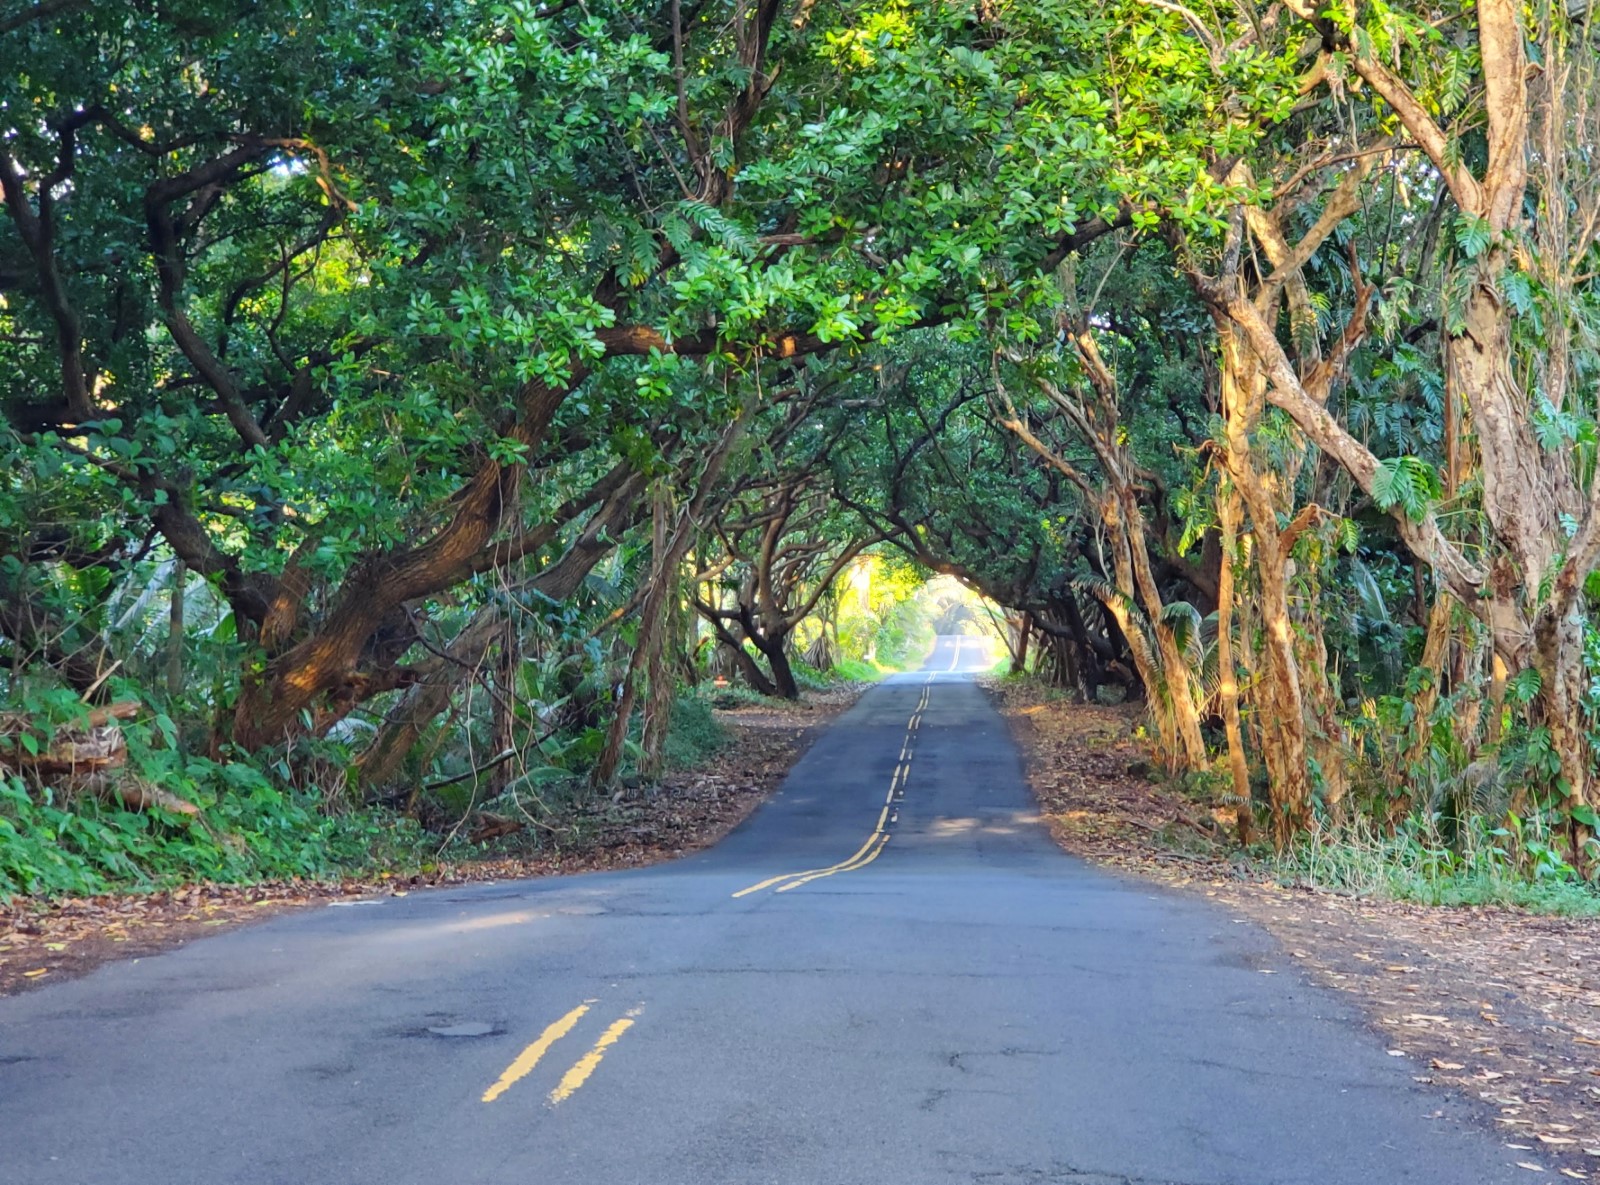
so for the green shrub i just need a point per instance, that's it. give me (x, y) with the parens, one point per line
(1515, 866)
(856, 670)
(693, 733)
(248, 830)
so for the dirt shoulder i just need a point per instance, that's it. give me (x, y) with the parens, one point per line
(1500, 1006)
(46, 942)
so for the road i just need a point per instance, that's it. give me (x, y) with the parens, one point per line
(889, 975)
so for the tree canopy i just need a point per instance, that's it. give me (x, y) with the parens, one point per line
(356, 357)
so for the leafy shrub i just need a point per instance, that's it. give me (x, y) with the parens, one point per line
(855, 670)
(694, 733)
(248, 829)
(1515, 865)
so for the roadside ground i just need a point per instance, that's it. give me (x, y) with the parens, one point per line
(1499, 1005)
(47, 941)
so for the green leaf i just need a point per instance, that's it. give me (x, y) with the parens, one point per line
(1409, 484)
(1472, 235)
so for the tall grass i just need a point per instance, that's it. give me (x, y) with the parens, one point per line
(1485, 866)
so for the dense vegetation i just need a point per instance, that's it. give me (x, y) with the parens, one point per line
(407, 404)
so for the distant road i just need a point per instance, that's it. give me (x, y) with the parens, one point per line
(888, 976)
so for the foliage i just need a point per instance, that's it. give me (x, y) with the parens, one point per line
(695, 733)
(248, 831)
(1497, 868)
(401, 400)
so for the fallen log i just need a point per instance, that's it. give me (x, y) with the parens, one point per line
(87, 757)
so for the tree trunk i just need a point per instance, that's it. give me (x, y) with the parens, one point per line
(1329, 741)
(314, 677)
(1244, 815)
(1019, 651)
(750, 669)
(665, 558)
(380, 762)
(1559, 660)
(1173, 687)
(435, 683)
(180, 577)
(1280, 708)
(659, 702)
(776, 650)
(1433, 656)
(1090, 669)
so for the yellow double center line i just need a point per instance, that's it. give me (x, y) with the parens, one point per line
(574, 1078)
(879, 839)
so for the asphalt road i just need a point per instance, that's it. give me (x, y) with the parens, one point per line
(957, 1002)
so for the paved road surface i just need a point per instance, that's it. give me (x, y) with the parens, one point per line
(931, 993)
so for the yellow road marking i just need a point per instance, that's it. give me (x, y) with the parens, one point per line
(882, 842)
(529, 1057)
(579, 1074)
(812, 872)
(766, 884)
(879, 839)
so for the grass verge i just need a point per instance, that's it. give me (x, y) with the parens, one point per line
(1416, 865)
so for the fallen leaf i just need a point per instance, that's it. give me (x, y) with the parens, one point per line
(36, 974)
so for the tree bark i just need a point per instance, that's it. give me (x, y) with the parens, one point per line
(180, 577)
(1228, 692)
(436, 682)
(1280, 709)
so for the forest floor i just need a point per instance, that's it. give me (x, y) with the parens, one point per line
(1499, 1005)
(48, 941)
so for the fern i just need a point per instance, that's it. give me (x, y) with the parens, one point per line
(1409, 483)
(718, 227)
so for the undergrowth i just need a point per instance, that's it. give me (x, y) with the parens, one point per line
(248, 830)
(860, 670)
(694, 735)
(251, 827)
(1514, 866)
